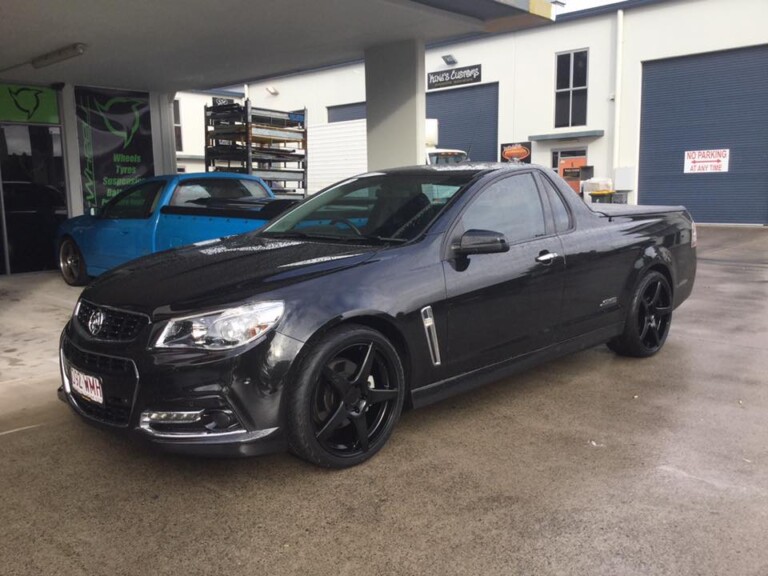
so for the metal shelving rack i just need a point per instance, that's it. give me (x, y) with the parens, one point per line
(271, 144)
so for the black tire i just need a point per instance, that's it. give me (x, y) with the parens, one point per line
(72, 263)
(346, 399)
(648, 319)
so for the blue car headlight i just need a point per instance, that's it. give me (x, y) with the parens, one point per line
(221, 330)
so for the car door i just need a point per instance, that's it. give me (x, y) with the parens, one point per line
(507, 304)
(126, 227)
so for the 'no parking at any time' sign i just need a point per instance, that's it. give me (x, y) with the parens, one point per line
(697, 161)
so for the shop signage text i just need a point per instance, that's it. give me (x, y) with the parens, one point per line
(28, 104)
(520, 151)
(698, 161)
(115, 137)
(454, 77)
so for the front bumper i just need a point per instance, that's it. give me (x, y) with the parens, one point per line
(236, 394)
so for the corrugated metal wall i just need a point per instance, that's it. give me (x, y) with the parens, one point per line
(703, 102)
(336, 151)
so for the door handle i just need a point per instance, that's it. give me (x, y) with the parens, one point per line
(546, 257)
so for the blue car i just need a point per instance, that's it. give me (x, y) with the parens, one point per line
(161, 213)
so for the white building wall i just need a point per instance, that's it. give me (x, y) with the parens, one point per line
(524, 66)
(523, 63)
(314, 91)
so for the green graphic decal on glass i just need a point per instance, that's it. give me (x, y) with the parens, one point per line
(126, 132)
(28, 104)
(115, 141)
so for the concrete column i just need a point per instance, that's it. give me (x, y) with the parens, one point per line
(396, 105)
(71, 148)
(163, 136)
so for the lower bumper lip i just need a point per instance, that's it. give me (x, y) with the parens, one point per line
(235, 441)
(226, 444)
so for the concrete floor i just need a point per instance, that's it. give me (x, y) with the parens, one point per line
(590, 465)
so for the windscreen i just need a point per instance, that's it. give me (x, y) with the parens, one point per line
(393, 207)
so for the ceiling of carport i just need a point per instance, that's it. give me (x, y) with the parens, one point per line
(170, 45)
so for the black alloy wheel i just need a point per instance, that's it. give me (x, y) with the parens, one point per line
(71, 263)
(649, 318)
(348, 398)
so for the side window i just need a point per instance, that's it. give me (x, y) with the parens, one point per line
(511, 206)
(136, 202)
(559, 210)
(255, 189)
(207, 191)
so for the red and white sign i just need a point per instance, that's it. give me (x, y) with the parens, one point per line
(87, 386)
(697, 161)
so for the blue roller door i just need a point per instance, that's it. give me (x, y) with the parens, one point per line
(468, 118)
(706, 102)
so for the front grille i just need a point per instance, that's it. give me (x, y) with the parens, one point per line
(115, 410)
(97, 363)
(117, 324)
(118, 381)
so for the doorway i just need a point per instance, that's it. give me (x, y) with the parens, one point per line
(32, 196)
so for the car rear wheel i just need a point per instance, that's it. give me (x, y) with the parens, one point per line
(72, 263)
(648, 319)
(347, 398)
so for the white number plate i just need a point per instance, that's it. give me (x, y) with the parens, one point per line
(87, 386)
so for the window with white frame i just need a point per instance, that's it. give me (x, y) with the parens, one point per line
(177, 125)
(571, 89)
(558, 155)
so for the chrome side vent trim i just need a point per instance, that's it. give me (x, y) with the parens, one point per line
(429, 328)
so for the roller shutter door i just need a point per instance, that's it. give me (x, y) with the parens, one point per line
(705, 102)
(468, 118)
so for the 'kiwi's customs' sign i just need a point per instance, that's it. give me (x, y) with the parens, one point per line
(455, 77)
(115, 135)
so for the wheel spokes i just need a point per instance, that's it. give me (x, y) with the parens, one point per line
(335, 422)
(375, 396)
(361, 427)
(656, 294)
(664, 310)
(644, 331)
(361, 378)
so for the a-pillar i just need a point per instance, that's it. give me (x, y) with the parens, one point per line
(395, 102)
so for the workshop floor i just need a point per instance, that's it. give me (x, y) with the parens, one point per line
(590, 465)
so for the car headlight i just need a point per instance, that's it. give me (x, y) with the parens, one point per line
(221, 330)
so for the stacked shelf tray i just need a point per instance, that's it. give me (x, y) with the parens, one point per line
(271, 144)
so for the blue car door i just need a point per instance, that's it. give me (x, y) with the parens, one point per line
(126, 226)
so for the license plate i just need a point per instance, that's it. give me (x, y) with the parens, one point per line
(88, 387)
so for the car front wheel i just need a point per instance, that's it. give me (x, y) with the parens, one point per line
(347, 398)
(71, 263)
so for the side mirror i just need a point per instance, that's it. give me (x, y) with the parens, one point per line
(481, 242)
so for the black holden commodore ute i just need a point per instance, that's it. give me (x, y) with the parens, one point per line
(389, 290)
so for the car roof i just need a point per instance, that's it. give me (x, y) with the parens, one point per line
(468, 168)
(201, 175)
